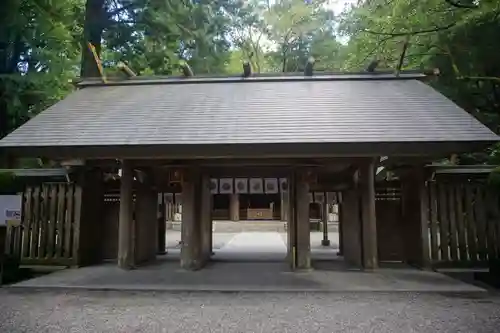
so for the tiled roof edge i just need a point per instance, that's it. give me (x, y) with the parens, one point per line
(288, 77)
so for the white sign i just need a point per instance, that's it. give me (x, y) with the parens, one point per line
(271, 185)
(256, 185)
(10, 208)
(214, 186)
(241, 185)
(226, 186)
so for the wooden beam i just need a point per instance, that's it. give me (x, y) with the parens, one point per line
(327, 162)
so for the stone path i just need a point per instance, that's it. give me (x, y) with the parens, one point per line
(254, 246)
(255, 242)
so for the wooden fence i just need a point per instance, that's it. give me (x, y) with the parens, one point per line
(463, 220)
(48, 228)
(464, 223)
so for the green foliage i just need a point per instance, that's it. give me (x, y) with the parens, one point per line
(461, 42)
(494, 178)
(153, 36)
(300, 30)
(39, 49)
(8, 183)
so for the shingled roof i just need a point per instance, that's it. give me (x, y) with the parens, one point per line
(331, 114)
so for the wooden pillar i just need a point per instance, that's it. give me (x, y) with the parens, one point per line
(368, 215)
(415, 218)
(340, 222)
(351, 227)
(162, 225)
(303, 224)
(291, 225)
(89, 218)
(298, 226)
(126, 229)
(146, 228)
(169, 211)
(325, 210)
(284, 206)
(206, 219)
(191, 252)
(234, 207)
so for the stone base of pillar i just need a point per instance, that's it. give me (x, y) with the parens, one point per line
(325, 242)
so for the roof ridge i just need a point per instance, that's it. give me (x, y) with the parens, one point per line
(272, 77)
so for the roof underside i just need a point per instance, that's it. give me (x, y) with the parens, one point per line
(328, 116)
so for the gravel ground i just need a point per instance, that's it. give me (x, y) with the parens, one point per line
(246, 312)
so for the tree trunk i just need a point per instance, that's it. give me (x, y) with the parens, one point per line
(284, 62)
(93, 28)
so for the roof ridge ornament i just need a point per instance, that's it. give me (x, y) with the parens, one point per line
(97, 61)
(125, 69)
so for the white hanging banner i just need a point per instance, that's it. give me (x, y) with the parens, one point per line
(214, 186)
(271, 185)
(256, 185)
(241, 185)
(283, 185)
(319, 197)
(226, 185)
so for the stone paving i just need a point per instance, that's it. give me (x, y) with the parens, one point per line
(327, 276)
(249, 261)
(173, 239)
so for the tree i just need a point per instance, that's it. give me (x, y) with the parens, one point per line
(38, 52)
(152, 36)
(454, 39)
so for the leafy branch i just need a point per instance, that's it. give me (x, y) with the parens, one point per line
(410, 33)
(459, 4)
